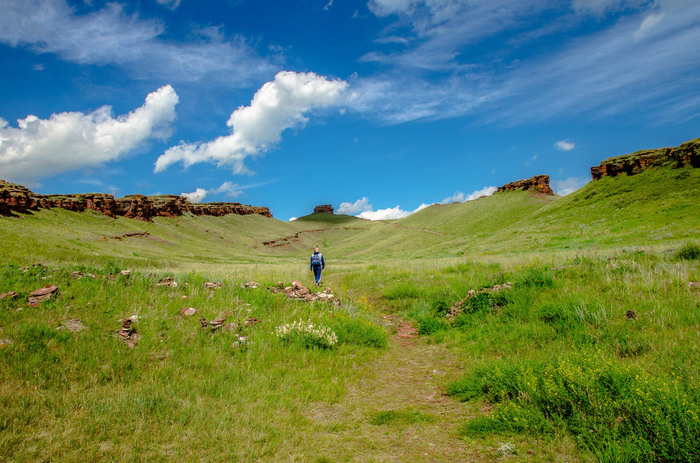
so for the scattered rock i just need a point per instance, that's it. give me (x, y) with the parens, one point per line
(125, 273)
(212, 284)
(77, 274)
(631, 315)
(128, 333)
(251, 284)
(251, 321)
(8, 295)
(189, 311)
(74, 325)
(5, 342)
(212, 325)
(41, 294)
(167, 281)
(691, 284)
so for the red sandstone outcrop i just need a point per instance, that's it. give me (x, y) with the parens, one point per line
(688, 154)
(17, 198)
(323, 209)
(538, 184)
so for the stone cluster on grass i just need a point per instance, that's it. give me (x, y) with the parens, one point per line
(300, 292)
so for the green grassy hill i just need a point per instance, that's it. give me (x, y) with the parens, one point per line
(657, 207)
(586, 354)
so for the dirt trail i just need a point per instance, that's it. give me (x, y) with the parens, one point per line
(409, 378)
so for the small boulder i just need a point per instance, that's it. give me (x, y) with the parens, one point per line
(41, 294)
(189, 311)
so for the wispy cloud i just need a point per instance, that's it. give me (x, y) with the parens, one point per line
(277, 106)
(226, 189)
(67, 141)
(112, 36)
(647, 58)
(171, 4)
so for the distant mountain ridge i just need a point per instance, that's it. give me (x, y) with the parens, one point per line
(17, 198)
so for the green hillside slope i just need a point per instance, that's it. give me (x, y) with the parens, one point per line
(658, 206)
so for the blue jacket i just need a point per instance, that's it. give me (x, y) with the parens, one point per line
(323, 263)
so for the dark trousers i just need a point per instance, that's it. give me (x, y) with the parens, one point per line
(317, 273)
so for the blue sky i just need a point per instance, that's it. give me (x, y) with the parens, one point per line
(377, 107)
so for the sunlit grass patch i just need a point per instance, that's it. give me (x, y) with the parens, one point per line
(601, 401)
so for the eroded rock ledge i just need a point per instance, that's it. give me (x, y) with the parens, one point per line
(17, 198)
(536, 184)
(688, 154)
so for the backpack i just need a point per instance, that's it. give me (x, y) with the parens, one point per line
(316, 259)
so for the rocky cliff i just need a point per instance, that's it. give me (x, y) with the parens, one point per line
(537, 184)
(323, 209)
(17, 198)
(688, 154)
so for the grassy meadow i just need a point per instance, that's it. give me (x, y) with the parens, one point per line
(546, 329)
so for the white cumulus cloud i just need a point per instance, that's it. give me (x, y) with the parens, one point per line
(229, 189)
(565, 145)
(569, 185)
(278, 105)
(462, 197)
(196, 196)
(66, 141)
(361, 205)
(486, 191)
(366, 211)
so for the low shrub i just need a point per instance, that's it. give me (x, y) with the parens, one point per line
(306, 334)
(689, 251)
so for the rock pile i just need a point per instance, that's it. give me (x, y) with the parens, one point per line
(128, 333)
(300, 292)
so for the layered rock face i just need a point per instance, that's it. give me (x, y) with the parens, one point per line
(323, 209)
(688, 154)
(17, 198)
(537, 184)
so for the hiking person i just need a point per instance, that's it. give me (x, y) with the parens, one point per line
(317, 265)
